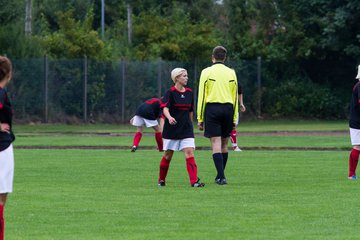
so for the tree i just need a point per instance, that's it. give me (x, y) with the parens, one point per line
(75, 38)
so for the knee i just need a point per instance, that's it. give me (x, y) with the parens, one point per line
(224, 149)
(189, 153)
(357, 147)
(3, 199)
(168, 155)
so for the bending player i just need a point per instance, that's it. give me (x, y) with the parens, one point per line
(242, 108)
(178, 133)
(147, 114)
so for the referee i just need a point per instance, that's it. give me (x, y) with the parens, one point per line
(217, 108)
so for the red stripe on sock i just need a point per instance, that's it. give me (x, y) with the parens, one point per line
(233, 136)
(137, 138)
(192, 169)
(2, 223)
(164, 167)
(353, 161)
(159, 141)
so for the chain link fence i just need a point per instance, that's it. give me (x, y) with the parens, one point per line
(84, 90)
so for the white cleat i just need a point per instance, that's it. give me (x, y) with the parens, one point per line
(237, 149)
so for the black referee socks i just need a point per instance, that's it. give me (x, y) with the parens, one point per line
(225, 158)
(219, 164)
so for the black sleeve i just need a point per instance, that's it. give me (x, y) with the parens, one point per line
(166, 102)
(240, 89)
(3, 97)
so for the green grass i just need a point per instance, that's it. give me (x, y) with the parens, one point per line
(112, 194)
(338, 141)
(106, 135)
(246, 126)
(98, 194)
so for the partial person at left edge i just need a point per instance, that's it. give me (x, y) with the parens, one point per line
(354, 125)
(6, 139)
(148, 114)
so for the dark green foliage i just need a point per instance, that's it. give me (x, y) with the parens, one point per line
(302, 98)
(74, 39)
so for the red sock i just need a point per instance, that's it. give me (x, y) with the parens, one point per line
(192, 169)
(137, 138)
(164, 167)
(159, 141)
(2, 223)
(353, 161)
(233, 137)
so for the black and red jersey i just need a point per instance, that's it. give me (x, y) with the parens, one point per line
(354, 121)
(150, 109)
(6, 113)
(180, 105)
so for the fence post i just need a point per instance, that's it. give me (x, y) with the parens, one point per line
(259, 85)
(85, 89)
(46, 89)
(196, 87)
(123, 91)
(159, 79)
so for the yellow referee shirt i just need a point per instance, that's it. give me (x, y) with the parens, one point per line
(218, 84)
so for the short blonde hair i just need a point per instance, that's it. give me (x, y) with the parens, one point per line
(5, 68)
(176, 72)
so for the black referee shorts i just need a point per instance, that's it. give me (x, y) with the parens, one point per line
(218, 119)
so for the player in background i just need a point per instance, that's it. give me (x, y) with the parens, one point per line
(147, 114)
(354, 124)
(242, 108)
(178, 133)
(217, 108)
(6, 139)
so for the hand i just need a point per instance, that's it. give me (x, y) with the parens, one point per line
(172, 121)
(200, 126)
(242, 108)
(4, 127)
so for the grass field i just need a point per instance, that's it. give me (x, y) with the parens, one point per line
(113, 194)
(249, 126)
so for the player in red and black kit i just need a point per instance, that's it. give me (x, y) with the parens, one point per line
(242, 108)
(6, 139)
(148, 114)
(354, 124)
(178, 132)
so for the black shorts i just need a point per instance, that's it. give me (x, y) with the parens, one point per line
(218, 119)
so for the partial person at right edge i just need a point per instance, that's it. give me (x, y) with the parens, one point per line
(6, 139)
(217, 108)
(242, 108)
(354, 124)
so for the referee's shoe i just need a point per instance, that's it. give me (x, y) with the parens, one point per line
(221, 181)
